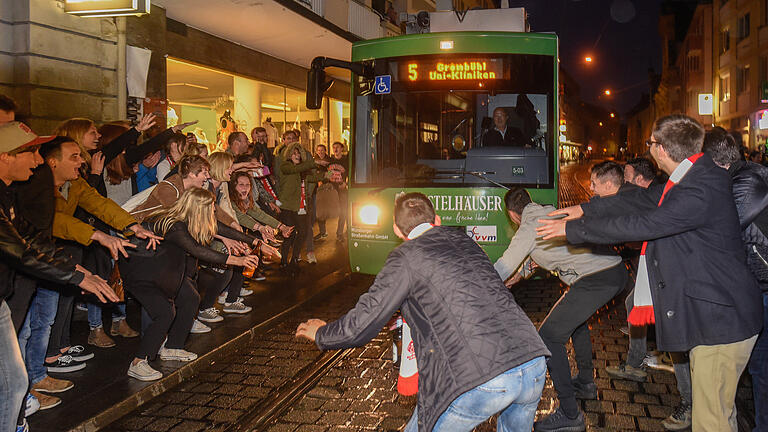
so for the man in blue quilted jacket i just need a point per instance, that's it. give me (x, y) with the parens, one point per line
(477, 352)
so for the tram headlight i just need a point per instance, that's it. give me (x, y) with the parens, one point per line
(369, 214)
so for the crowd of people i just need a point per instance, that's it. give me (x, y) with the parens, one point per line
(698, 231)
(95, 215)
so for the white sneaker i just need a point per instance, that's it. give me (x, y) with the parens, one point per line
(237, 307)
(209, 315)
(223, 298)
(311, 258)
(176, 354)
(31, 406)
(244, 293)
(142, 371)
(198, 327)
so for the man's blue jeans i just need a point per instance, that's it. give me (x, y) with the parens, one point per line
(34, 335)
(758, 368)
(95, 310)
(13, 376)
(516, 392)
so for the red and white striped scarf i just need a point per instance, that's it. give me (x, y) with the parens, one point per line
(642, 311)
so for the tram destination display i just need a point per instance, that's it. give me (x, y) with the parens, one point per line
(465, 70)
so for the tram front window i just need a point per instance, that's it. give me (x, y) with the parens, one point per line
(477, 132)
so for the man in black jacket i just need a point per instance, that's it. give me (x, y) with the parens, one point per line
(467, 329)
(693, 281)
(750, 192)
(23, 248)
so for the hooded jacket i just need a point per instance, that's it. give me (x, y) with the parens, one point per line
(466, 326)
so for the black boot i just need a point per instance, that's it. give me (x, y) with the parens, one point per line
(559, 422)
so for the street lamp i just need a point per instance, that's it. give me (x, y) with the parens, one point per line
(607, 92)
(613, 115)
(587, 59)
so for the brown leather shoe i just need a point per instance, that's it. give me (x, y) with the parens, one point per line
(45, 400)
(53, 385)
(121, 328)
(98, 338)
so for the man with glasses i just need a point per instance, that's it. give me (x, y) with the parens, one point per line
(693, 281)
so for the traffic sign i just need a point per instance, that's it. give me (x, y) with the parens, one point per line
(383, 84)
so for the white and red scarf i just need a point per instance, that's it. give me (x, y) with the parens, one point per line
(642, 311)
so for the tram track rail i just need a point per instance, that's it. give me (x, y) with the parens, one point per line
(262, 416)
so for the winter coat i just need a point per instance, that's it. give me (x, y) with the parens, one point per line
(750, 192)
(465, 323)
(291, 176)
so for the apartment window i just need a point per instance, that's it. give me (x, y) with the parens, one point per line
(742, 80)
(744, 27)
(694, 62)
(725, 40)
(725, 88)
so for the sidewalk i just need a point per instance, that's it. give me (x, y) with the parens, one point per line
(103, 392)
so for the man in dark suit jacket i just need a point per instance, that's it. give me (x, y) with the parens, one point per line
(704, 298)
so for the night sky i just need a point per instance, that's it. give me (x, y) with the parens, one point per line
(625, 37)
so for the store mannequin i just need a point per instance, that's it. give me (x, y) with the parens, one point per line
(271, 132)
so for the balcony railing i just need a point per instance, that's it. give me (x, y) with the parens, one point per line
(352, 16)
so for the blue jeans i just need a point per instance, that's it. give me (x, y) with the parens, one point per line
(13, 376)
(516, 392)
(34, 335)
(758, 368)
(95, 311)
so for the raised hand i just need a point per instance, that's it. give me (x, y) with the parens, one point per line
(97, 163)
(146, 122)
(182, 126)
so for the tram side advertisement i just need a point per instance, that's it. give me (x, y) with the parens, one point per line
(478, 212)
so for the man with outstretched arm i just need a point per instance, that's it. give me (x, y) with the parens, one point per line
(468, 332)
(693, 281)
(593, 278)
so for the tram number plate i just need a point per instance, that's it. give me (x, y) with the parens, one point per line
(518, 171)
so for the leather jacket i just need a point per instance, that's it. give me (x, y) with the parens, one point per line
(750, 193)
(25, 248)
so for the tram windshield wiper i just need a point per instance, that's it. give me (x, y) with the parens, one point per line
(479, 174)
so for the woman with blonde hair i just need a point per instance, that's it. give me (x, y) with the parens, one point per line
(161, 282)
(212, 279)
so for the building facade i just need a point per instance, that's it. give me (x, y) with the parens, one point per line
(206, 60)
(741, 67)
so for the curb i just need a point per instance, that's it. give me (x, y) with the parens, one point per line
(168, 382)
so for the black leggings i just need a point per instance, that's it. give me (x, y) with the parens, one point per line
(171, 317)
(300, 225)
(212, 283)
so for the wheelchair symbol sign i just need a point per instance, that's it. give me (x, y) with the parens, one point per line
(383, 84)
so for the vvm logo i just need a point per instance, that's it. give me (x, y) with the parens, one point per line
(482, 233)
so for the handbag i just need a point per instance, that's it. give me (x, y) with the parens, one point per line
(116, 283)
(327, 202)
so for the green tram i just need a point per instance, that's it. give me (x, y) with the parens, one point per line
(423, 110)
